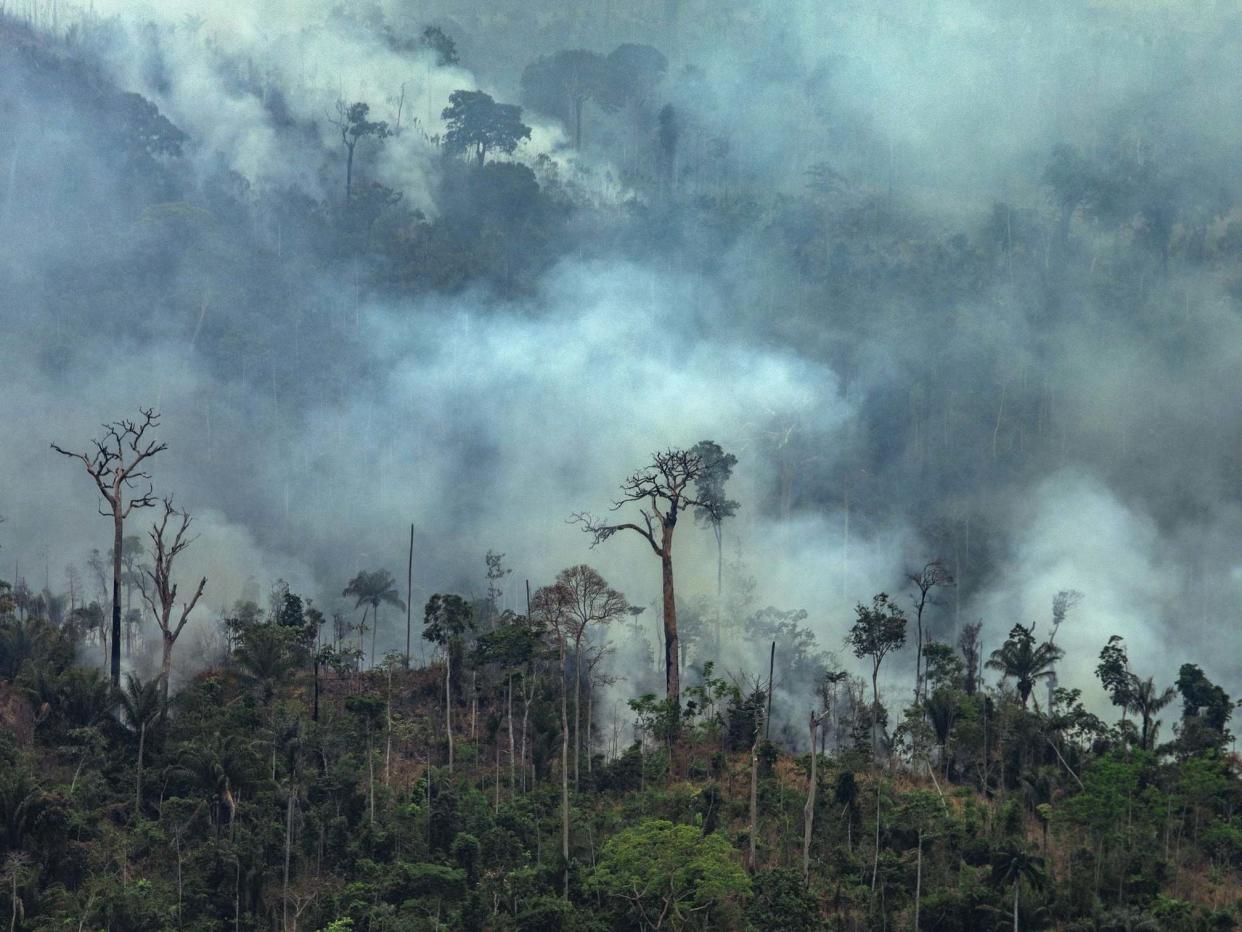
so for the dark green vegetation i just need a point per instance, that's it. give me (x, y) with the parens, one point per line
(996, 333)
(286, 788)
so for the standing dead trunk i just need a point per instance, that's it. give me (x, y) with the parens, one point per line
(117, 530)
(751, 856)
(288, 849)
(577, 707)
(448, 703)
(808, 812)
(918, 882)
(564, 774)
(142, 746)
(875, 860)
(672, 671)
(512, 762)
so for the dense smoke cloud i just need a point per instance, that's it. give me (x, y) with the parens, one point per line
(948, 379)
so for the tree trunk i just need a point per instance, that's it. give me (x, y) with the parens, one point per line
(142, 746)
(875, 861)
(349, 171)
(448, 702)
(577, 707)
(672, 672)
(808, 812)
(117, 528)
(564, 774)
(918, 882)
(1015, 905)
(166, 664)
(288, 847)
(751, 857)
(512, 763)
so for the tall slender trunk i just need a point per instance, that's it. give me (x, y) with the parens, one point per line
(512, 748)
(1015, 906)
(808, 812)
(288, 849)
(577, 707)
(409, 580)
(875, 861)
(564, 773)
(370, 776)
(117, 529)
(448, 702)
(918, 882)
(751, 856)
(142, 746)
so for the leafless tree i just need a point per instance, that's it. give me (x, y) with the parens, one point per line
(115, 464)
(932, 576)
(663, 491)
(157, 586)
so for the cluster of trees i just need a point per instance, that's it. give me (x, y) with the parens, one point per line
(300, 782)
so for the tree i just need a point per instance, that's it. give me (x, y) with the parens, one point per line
(1206, 710)
(589, 601)
(709, 487)
(933, 575)
(668, 873)
(1146, 701)
(561, 84)
(878, 630)
(374, 589)
(552, 606)
(664, 489)
(161, 595)
(1011, 866)
(352, 123)
(1114, 673)
(446, 620)
(1023, 661)
(476, 123)
(442, 44)
(968, 642)
(115, 465)
(143, 705)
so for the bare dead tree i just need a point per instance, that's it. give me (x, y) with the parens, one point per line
(115, 464)
(808, 811)
(933, 575)
(157, 586)
(663, 491)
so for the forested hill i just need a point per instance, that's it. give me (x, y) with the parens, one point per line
(918, 615)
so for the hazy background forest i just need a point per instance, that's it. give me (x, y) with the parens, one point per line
(952, 281)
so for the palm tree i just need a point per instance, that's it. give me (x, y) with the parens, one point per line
(142, 705)
(1013, 864)
(373, 589)
(1146, 702)
(218, 766)
(1023, 661)
(264, 659)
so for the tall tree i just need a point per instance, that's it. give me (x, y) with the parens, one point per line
(933, 575)
(1146, 701)
(115, 465)
(477, 124)
(161, 594)
(591, 602)
(878, 630)
(551, 607)
(446, 621)
(374, 589)
(664, 489)
(352, 122)
(560, 85)
(710, 487)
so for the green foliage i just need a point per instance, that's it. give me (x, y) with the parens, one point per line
(658, 869)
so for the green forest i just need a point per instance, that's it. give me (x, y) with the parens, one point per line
(671, 465)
